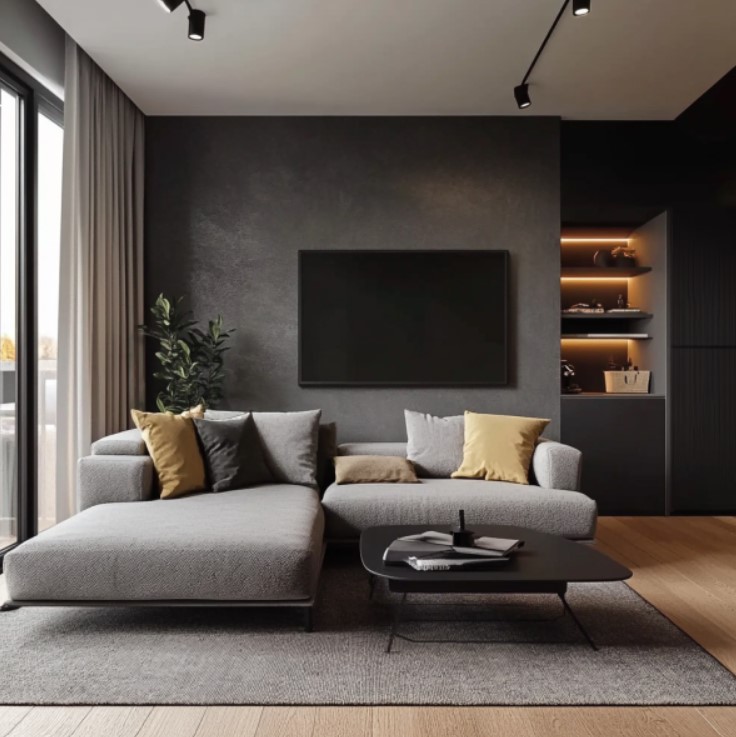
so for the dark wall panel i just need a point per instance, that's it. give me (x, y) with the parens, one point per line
(230, 201)
(702, 412)
(702, 276)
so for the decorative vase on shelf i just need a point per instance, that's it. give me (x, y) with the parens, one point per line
(602, 258)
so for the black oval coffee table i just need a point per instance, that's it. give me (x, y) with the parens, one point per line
(545, 565)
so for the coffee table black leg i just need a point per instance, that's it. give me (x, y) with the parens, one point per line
(395, 622)
(578, 623)
(371, 585)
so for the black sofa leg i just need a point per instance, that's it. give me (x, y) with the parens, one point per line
(308, 619)
(8, 607)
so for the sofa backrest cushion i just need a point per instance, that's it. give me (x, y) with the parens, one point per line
(372, 449)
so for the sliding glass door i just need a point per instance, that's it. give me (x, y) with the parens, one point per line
(10, 231)
(48, 241)
(31, 148)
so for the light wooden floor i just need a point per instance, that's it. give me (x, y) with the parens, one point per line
(685, 566)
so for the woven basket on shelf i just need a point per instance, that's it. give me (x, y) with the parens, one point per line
(627, 382)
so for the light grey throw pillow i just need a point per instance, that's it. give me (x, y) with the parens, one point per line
(434, 444)
(289, 441)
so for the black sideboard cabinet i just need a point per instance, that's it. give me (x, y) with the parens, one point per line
(623, 441)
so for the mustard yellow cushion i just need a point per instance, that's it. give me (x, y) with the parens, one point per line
(374, 470)
(499, 447)
(172, 444)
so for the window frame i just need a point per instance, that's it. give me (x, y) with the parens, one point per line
(34, 99)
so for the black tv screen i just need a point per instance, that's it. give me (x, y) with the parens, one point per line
(403, 318)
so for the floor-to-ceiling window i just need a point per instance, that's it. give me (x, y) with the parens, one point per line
(10, 198)
(31, 149)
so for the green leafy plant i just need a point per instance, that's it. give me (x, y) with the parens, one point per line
(191, 360)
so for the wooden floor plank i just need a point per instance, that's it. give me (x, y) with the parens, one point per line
(50, 721)
(113, 721)
(238, 721)
(172, 721)
(10, 717)
(287, 721)
(721, 718)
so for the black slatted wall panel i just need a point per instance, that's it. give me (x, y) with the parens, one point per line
(702, 402)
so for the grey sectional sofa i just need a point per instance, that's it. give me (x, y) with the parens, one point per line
(260, 546)
(551, 503)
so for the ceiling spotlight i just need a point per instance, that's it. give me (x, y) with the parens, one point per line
(170, 5)
(196, 25)
(580, 7)
(521, 93)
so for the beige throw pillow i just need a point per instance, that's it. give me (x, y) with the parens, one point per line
(172, 444)
(499, 447)
(374, 470)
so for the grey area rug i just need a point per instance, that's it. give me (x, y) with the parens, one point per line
(206, 656)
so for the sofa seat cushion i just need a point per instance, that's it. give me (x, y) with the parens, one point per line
(263, 543)
(351, 509)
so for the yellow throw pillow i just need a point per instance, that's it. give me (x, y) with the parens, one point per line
(374, 470)
(172, 444)
(499, 447)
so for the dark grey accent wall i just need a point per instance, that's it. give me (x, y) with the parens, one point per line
(230, 201)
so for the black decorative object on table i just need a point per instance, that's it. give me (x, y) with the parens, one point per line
(461, 537)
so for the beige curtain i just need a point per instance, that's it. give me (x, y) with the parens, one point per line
(100, 365)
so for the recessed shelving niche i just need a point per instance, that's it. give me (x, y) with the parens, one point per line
(591, 340)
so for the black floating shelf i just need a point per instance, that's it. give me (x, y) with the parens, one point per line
(606, 315)
(599, 272)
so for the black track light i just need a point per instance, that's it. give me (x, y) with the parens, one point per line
(521, 93)
(196, 25)
(170, 5)
(580, 7)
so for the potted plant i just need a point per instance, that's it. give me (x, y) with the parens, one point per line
(190, 360)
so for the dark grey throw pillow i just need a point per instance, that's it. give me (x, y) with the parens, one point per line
(233, 457)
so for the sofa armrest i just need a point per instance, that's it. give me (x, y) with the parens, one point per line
(557, 466)
(114, 478)
(126, 443)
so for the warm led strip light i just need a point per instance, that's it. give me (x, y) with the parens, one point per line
(594, 240)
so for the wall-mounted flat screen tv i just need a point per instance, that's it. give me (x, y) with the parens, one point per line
(403, 318)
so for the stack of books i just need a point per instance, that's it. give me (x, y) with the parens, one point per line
(434, 551)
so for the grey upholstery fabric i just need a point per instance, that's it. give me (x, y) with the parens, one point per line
(232, 454)
(434, 444)
(372, 449)
(289, 441)
(349, 509)
(126, 443)
(114, 478)
(257, 544)
(557, 466)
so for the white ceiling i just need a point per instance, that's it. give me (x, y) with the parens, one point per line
(629, 59)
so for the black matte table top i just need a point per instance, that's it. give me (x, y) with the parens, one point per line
(544, 561)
